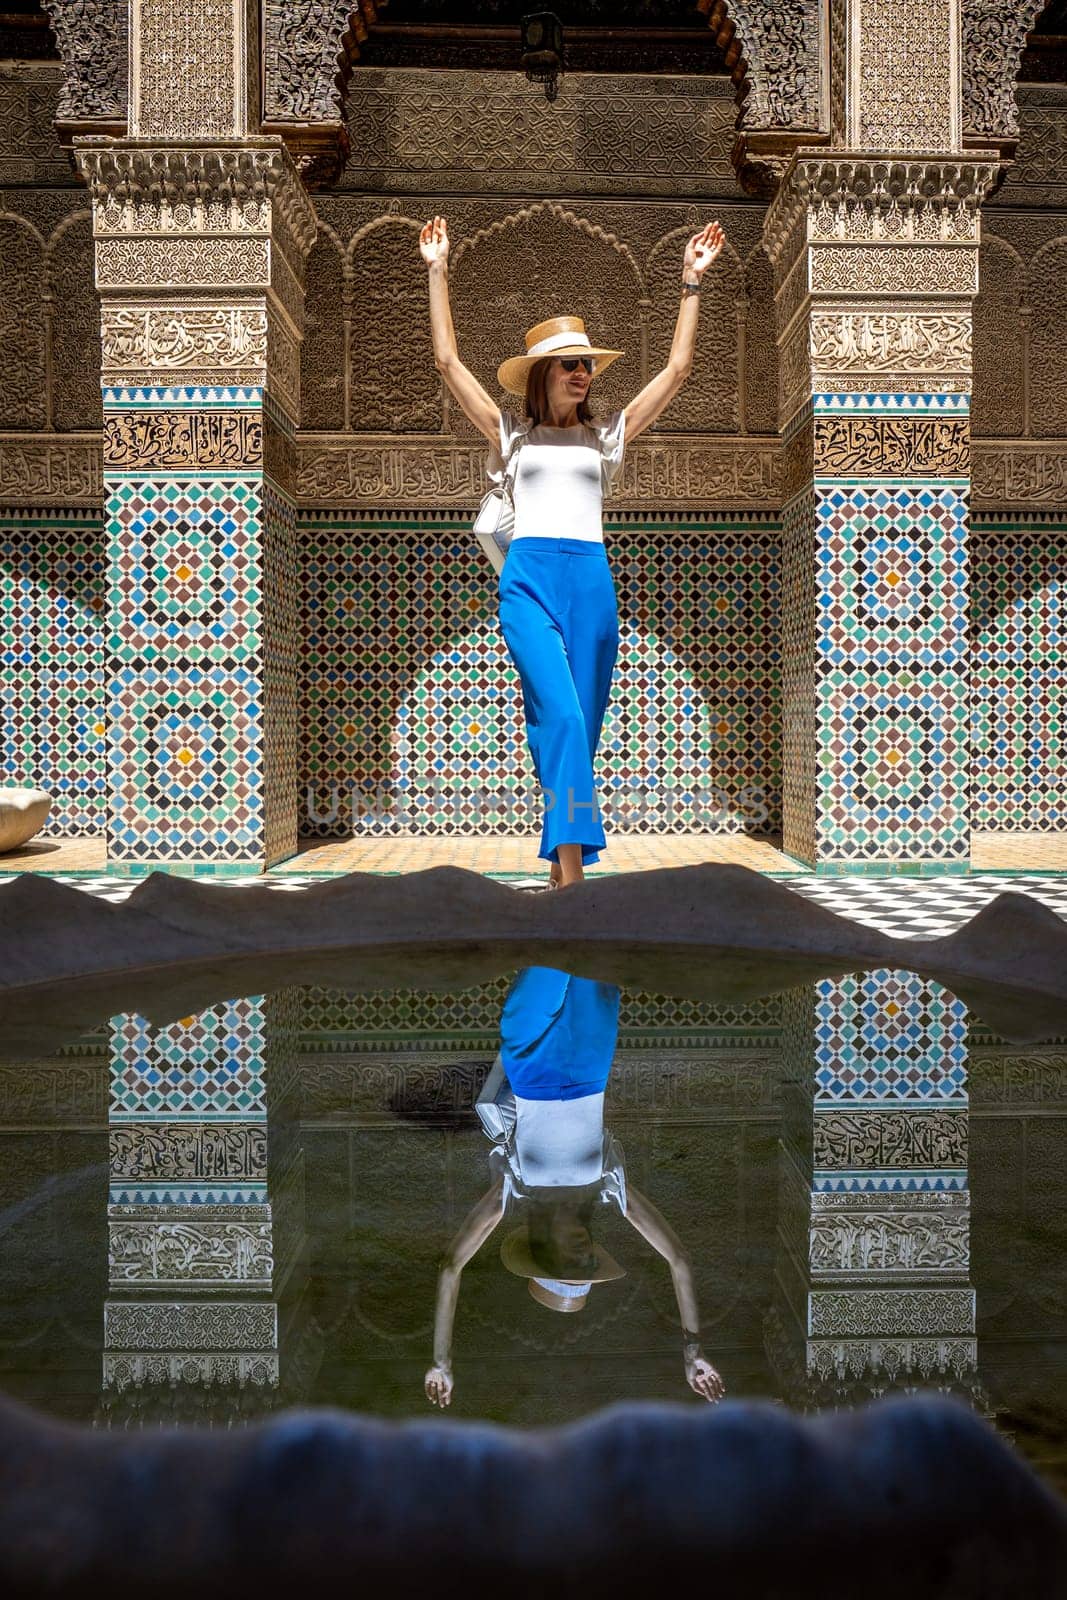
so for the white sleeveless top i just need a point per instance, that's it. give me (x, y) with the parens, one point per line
(561, 475)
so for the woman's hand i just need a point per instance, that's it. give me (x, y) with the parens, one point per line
(702, 249)
(439, 1385)
(703, 1378)
(433, 241)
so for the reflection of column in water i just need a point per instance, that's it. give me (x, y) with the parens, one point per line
(203, 1240)
(873, 1278)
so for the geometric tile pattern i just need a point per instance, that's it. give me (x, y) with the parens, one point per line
(876, 603)
(888, 1036)
(203, 583)
(411, 711)
(52, 673)
(1019, 757)
(205, 1067)
(186, 725)
(421, 1020)
(281, 652)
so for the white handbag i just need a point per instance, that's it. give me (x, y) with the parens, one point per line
(495, 521)
(496, 1104)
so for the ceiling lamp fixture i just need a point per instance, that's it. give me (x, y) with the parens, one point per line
(542, 50)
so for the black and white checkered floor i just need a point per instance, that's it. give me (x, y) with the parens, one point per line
(919, 908)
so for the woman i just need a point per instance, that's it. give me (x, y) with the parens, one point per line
(555, 1165)
(558, 610)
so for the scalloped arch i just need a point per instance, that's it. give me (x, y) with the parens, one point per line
(592, 230)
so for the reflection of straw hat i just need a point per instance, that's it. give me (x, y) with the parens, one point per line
(559, 336)
(557, 1294)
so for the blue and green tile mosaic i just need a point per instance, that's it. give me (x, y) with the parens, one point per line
(1018, 572)
(411, 712)
(52, 667)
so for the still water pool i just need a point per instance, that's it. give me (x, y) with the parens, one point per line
(319, 1197)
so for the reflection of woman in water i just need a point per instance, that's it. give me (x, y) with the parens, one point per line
(554, 1164)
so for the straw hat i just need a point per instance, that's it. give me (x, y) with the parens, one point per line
(564, 1294)
(559, 336)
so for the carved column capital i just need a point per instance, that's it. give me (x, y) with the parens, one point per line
(850, 195)
(174, 187)
(200, 251)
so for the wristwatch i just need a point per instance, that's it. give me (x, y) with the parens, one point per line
(693, 288)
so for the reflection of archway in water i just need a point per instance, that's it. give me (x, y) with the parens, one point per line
(412, 710)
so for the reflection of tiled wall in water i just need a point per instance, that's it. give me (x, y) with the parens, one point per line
(429, 1020)
(1017, 641)
(52, 663)
(888, 1035)
(873, 1270)
(190, 1207)
(412, 711)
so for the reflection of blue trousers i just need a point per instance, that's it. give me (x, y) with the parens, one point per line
(561, 625)
(558, 1034)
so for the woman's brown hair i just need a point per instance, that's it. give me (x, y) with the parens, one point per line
(537, 394)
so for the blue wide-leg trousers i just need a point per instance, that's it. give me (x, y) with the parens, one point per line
(560, 622)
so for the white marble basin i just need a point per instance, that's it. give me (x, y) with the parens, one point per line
(22, 814)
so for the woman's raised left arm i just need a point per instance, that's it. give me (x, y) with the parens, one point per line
(658, 393)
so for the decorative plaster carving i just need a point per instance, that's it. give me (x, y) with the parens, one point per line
(224, 439)
(1019, 473)
(895, 1241)
(283, 364)
(906, 447)
(209, 1151)
(667, 472)
(926, 340)
(857, 198)
(161, 264)
(904, 75)
(857, 1359)
(156, 1325)
(894, 269)
(187, 77)
(176, 338)
(844, 1140)
(850, 1313)
(186, 1252)
(51, 470)
(994, 34)
(92, 36)
(55, 1093)
(144, 188)
(217, 1370)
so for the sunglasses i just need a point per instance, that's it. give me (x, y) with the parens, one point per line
(570, 363)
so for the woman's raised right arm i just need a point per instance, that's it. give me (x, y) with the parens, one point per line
(473, 399)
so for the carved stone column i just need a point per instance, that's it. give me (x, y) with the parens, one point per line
(873, 1279)
(201, 234)
(874, 244)
(206, 1240)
